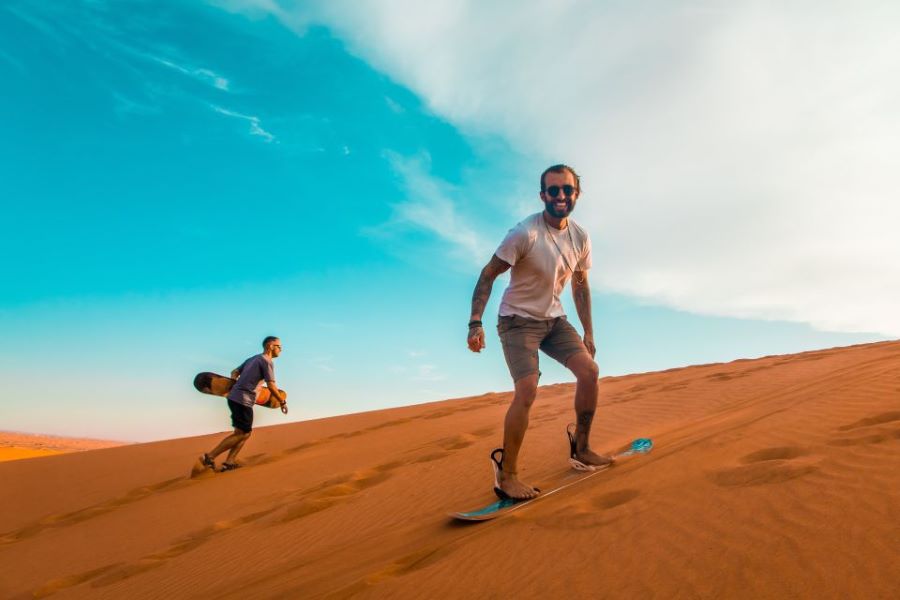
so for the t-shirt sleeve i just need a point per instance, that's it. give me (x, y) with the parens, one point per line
(240, 369)
(268, 371)
(514, 245)
(584, 261)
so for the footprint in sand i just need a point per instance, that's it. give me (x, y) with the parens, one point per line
(405, 565)
(312, 501)
(450, 444)
(778, 453)
(114, 573)
(589, 513)
(388, 424)
(337, 490)
(438, 414)
(430, 457)
(769, 465)
(617, 498)
(874, 438)
(869, 437)
(457, 442)
(485, 431)
(85, 514)
(880, 419)
(674, 387)
(720, 376)
(446, 446)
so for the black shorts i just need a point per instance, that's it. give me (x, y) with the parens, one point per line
(241, 416)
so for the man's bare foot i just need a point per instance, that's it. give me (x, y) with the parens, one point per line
(514, 488)
(589, 457)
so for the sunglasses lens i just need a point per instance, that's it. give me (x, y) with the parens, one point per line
(567, 190)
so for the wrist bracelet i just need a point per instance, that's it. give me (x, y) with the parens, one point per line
(474, 324)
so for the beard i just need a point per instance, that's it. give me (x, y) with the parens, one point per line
(560, 214)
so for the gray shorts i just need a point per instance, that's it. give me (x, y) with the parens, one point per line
(521, 338)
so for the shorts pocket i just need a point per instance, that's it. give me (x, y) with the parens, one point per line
(505, 324)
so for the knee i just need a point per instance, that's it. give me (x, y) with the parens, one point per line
(525, 400)
(588, 371)
(526, 392)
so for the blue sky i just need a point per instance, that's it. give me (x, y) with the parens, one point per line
(180, 180)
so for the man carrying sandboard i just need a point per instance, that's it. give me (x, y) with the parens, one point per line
(242, 399)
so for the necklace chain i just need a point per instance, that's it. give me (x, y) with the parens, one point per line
(558, 249)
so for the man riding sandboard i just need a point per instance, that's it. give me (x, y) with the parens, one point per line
(544, 251)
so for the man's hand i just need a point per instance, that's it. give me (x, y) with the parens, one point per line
(480, 297)
(476, 338)
(235, 374)
(589, 344)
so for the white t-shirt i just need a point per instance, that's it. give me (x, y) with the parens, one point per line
(543, 259)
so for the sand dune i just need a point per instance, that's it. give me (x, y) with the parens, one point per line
(15, 445)
(770, 478)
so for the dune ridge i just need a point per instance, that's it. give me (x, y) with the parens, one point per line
(15, 445)
(770, 478)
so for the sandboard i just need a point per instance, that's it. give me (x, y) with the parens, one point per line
(507, 505)
(219, 385)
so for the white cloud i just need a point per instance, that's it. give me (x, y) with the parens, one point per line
(42, 24)
(255, 127)
(430, 206)
(417, 372)
(205, 75)
(739, 159)
(395, 106)
(428, 373)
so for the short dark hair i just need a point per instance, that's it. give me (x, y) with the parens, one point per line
(269, 338)
(561, 168)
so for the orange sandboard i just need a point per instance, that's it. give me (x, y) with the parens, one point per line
(219, 385)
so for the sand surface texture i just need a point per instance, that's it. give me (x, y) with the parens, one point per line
(770, 478)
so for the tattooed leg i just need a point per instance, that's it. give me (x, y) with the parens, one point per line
(586, 390)
(583, 429)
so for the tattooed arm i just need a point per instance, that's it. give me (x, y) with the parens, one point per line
(581, 293)
(480, 298)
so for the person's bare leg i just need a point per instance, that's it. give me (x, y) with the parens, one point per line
(514, 427)
(232, 456)
(587, 387)
(227, 444)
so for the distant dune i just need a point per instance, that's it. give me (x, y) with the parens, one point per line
(770, 478)
(15, 445)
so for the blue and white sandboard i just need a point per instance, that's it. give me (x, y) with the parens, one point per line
(505, 506)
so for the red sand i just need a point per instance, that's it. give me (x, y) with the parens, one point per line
(770, 478)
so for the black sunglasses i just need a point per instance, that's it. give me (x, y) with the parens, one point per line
(553, 191)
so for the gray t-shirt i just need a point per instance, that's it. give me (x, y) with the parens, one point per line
(543, 259)
(254, 371)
